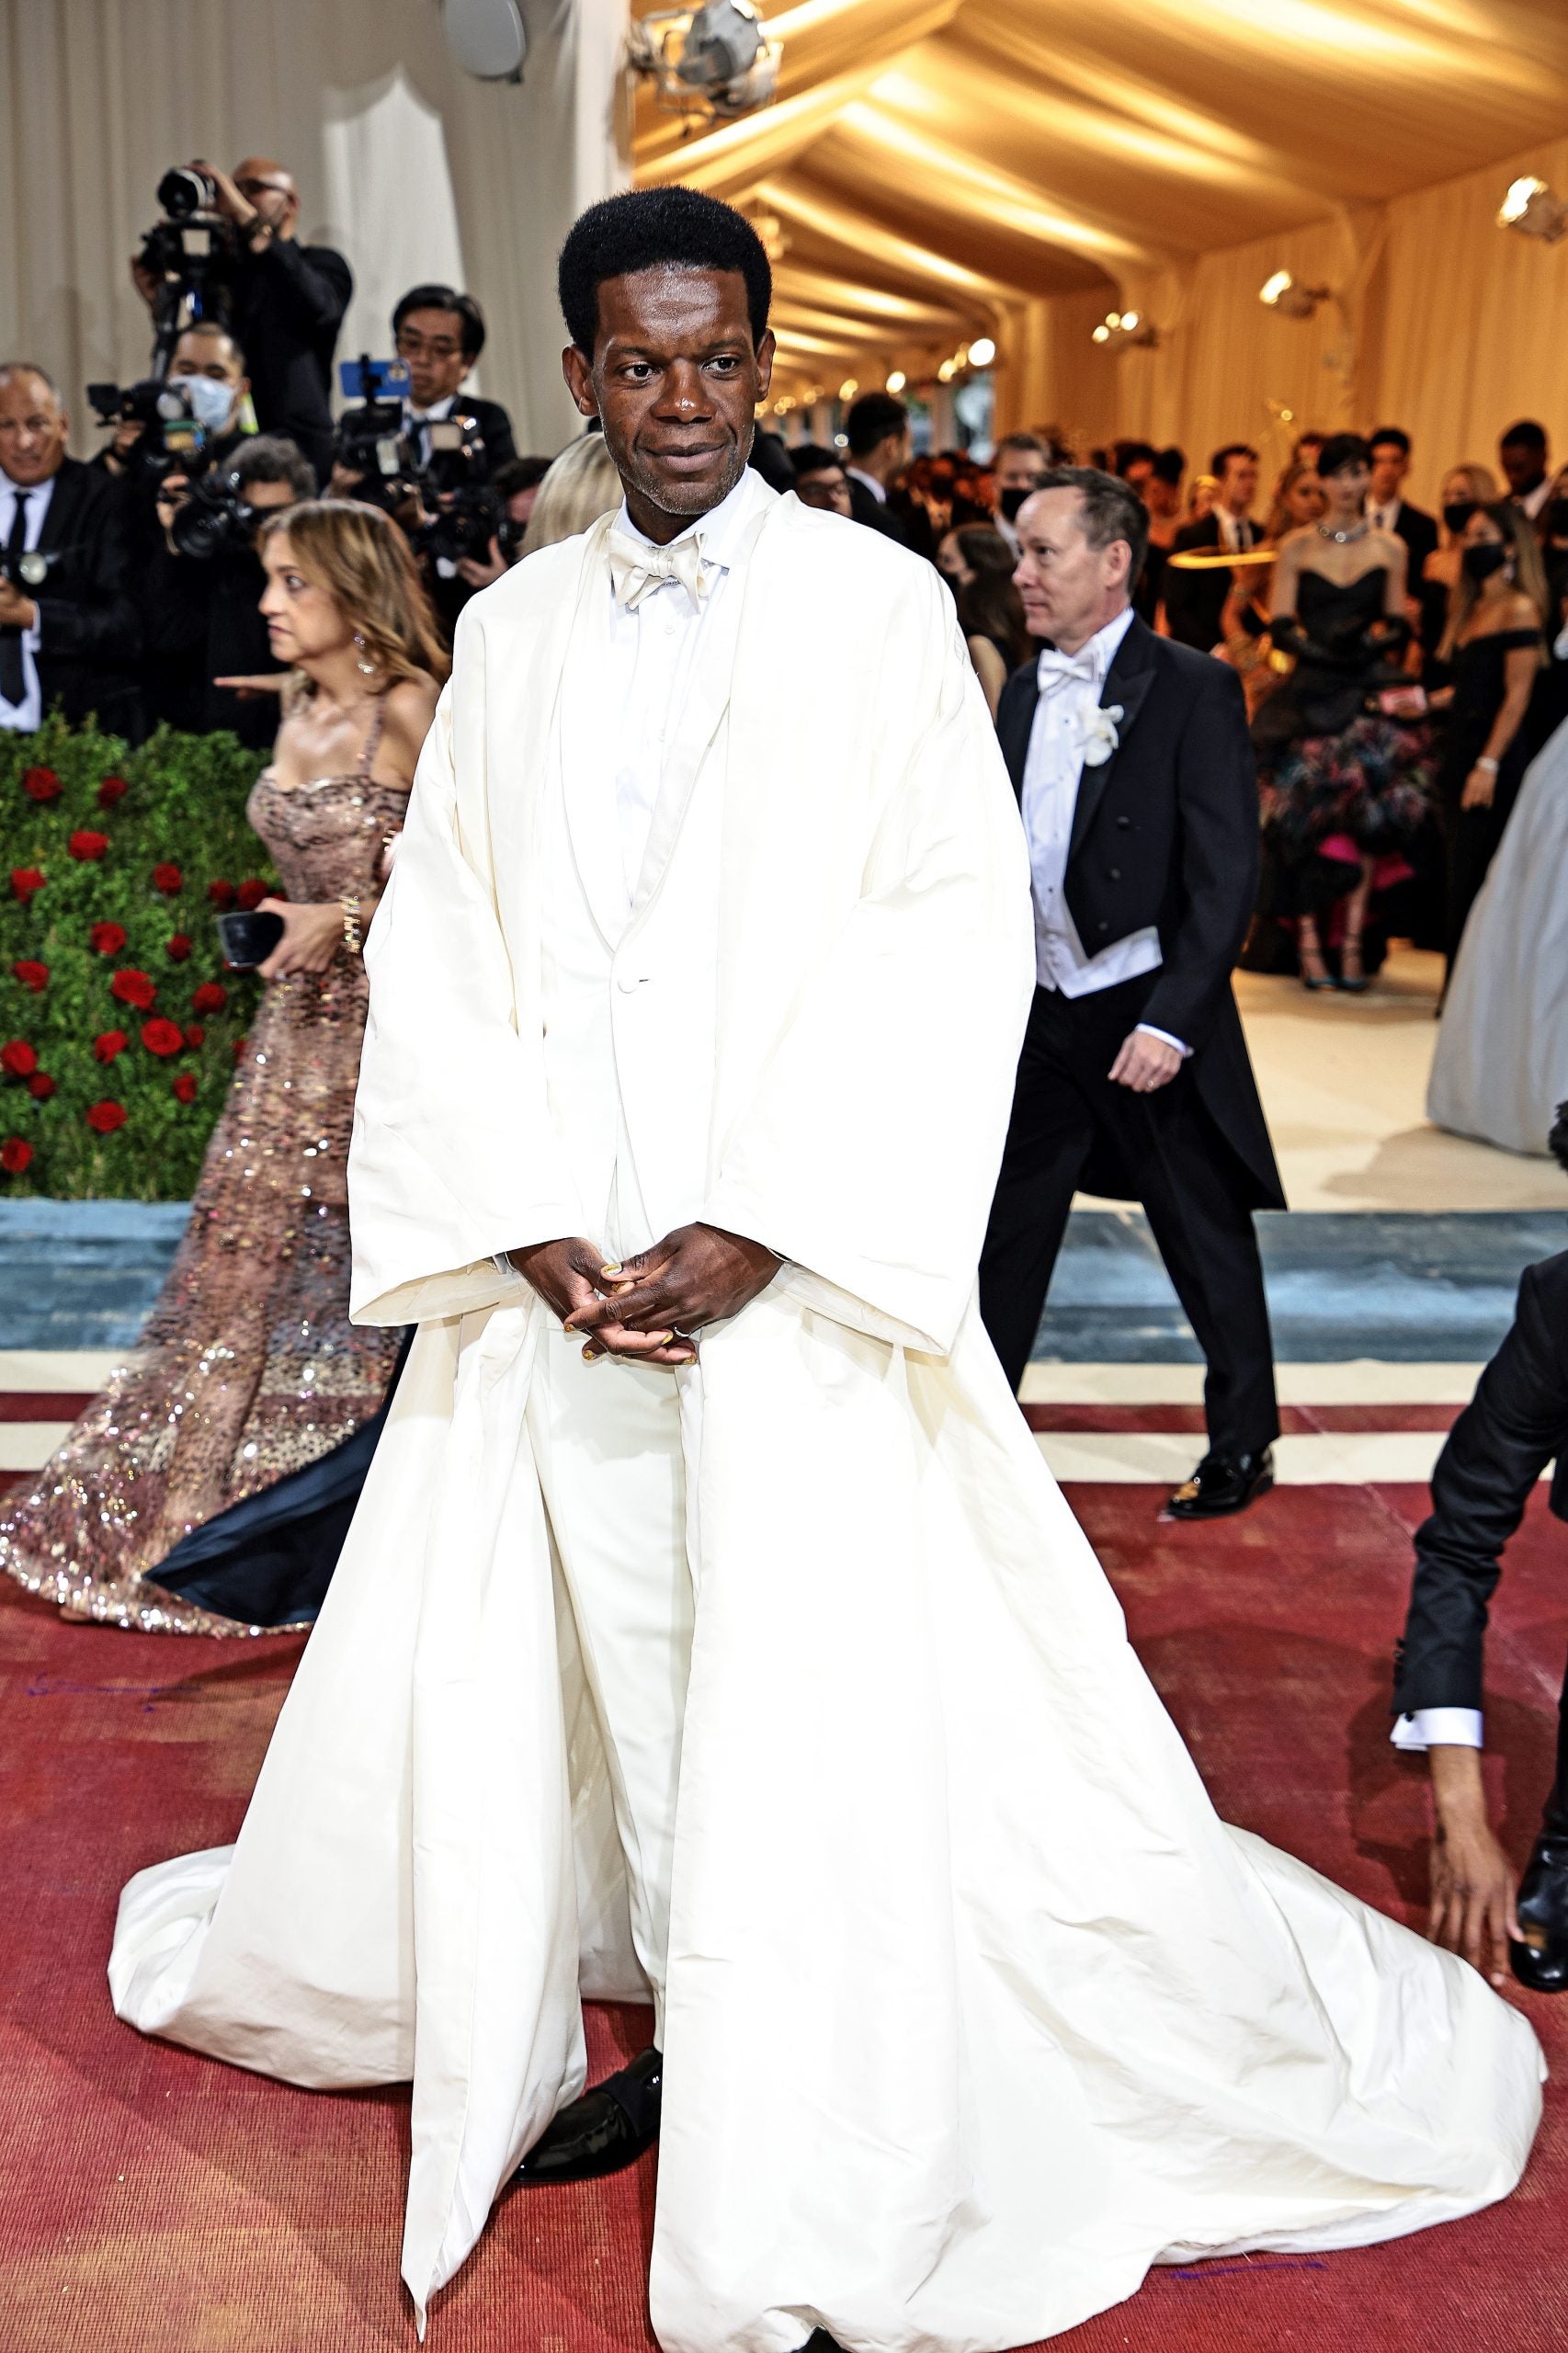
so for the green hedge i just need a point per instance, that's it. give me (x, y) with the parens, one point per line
(113, 864)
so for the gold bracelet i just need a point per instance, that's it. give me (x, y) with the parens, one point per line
(353, 933)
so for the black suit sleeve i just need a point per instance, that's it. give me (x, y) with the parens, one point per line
(308, 290)
(500, 445)
(98, 621)
(1216, 784)
(1496, 1451)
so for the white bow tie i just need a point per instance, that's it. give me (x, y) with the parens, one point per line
(636, 569)
(1055, 669)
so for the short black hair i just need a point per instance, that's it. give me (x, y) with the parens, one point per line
(1526, 434)
(875, 418)
(1394, 437)
(519, 474)
(810, 458)
(1133, 453)
(1557, 1140)
(1170, 465)
(471, 318)
(1109, 511)
(1342, 449)
(272, 457)
(1231, 449)
(650, 228)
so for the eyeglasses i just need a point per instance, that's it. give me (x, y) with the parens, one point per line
(418, 346)
(251, 189)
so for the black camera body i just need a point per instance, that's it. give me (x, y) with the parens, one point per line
(174, 439)
(372, 444)
(194, 255)
(468, 513)
(215, 519)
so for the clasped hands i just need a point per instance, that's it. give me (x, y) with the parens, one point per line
(645, 1309)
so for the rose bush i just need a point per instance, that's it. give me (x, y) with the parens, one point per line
(116, 861)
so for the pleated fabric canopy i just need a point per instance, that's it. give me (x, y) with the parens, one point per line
(934, 171)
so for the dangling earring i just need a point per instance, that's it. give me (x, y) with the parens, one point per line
(366, 669)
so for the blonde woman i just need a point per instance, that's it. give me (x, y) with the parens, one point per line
(226, 1455)
(580, 486)
(1462, 491)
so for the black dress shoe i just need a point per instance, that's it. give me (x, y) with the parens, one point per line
(1543, 1912)
(1222, 1483)
(608, 2128)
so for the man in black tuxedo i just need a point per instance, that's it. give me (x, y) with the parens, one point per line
(1134, 773)
(1195, 601)
(1516, 1424)
(1388, 510)
(441, 332)
(69, 633)
(876, 429)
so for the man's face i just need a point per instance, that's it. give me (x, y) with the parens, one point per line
(1138, 476)
(1069, 588)
(33, 429)
(1390, 466)
(1523, 466)
(1018, 469)
(676, 381)
(265, 498)
(216, 358)
(827, 489)
(272, 191)
(1239, 486)
(431, 342)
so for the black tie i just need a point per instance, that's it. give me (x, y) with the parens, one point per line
(13, 676)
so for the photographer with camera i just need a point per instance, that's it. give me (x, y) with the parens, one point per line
(284, 301)
(208, 368)
(440, 333)
(516, 489)
(210, 660)
(68, 630)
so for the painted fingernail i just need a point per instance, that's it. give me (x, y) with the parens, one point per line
(592, 1356)
(611, 1270)
(663, 1339)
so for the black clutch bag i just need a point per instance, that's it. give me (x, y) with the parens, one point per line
(248, 937)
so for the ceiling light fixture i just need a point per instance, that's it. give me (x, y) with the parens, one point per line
(1291, 300)
(717, 59)
(1120, 330)
(850, 386)
(982, 353)
(897, 381)
(1531, 209)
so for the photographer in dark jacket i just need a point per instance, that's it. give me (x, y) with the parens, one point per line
(289, 304)
(440, 333)
(204, 626)
(1516, 1424)
(69, 633)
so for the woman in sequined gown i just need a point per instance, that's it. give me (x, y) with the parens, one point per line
(248, 1400)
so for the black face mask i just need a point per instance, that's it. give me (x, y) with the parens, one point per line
(1458, 513)
(1013, 497)
(1557, 518)
(1480, 562)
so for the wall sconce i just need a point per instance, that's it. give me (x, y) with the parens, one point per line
(1531, 209)
(1289, 298)
(897, 381)
(982, 353)
(850, 386)
(1119, 330)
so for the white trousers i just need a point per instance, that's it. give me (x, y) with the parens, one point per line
(612, 1442)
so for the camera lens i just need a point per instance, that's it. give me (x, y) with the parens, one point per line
(183, 192)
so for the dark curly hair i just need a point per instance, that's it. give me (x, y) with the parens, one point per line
(1557, 1142)
(650, 228)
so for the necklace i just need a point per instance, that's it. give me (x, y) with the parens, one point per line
(1342, 538)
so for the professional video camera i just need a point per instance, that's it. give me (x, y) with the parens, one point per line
(372, 442)
(193, 256)
(173, 440)
(468, 512)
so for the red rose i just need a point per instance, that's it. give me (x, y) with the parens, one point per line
(195, 1034)
(168, 879)
(41, 784)
(132, 987)
(113, 789)
(209, 998)
(161, 1036)
(25, 882)
(108, 938)
(42, 1085)
(240, 1045)
(87, 844)
(17, 1060)
(104, 1117)
(15, 1155)
(184, 1088)
(32, 975)
(221, 893)
(177, 948)
(107, 1044)
(251, 894)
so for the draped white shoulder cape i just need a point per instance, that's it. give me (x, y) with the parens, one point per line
(975, 2007)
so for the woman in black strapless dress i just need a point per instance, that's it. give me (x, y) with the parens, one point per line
(1495, 646)
(1343, 777)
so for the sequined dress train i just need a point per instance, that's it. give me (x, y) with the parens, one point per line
(248, 1370)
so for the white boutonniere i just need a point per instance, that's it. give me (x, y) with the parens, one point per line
(1100, 735)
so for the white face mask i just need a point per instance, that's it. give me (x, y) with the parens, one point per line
(211, 404)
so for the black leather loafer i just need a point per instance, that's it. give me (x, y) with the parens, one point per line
(607, 2128)
(1223, 1483)
(1544, 1915)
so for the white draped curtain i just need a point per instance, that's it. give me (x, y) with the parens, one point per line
(412, 169)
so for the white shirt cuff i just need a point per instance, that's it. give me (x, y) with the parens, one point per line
(1165, 1037)
(1438, 1728)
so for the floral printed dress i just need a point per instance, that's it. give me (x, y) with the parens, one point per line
(248, 1371)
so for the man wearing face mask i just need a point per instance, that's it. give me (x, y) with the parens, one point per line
(1019, 464)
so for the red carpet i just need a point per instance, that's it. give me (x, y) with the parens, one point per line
(154, 2203)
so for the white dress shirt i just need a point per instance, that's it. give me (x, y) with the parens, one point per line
(1534, 500)
(421, 419)
(24, 716)
(1233, 537)
(654, 645)
(1054, 765)
(1386, 516)
(1439, 1728)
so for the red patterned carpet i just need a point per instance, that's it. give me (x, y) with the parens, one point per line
(153, 2203)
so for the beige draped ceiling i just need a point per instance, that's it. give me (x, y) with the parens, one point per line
(938, 170)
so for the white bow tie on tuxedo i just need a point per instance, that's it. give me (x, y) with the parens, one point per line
(636, 569)
(1055, 669)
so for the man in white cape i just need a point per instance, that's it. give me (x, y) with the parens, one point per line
(735, 1648)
